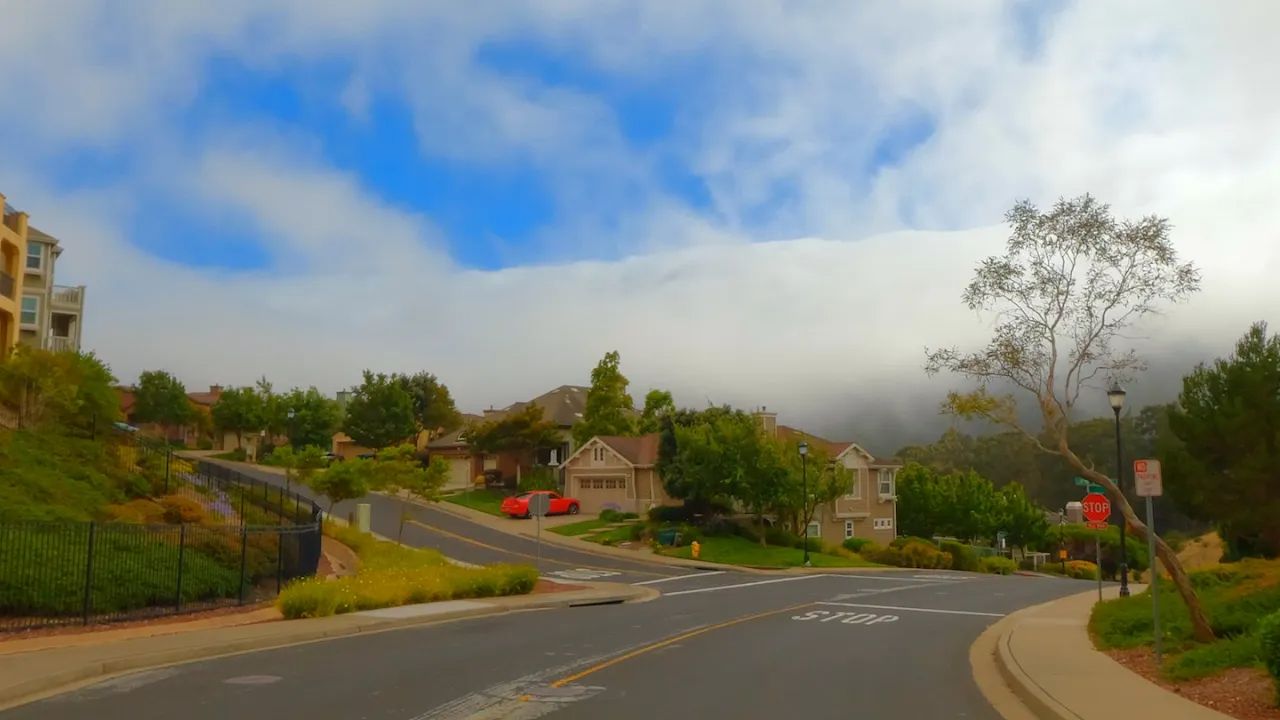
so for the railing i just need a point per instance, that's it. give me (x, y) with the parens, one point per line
(67, 296)
(57, 343)
(7, 285)
(251, 539)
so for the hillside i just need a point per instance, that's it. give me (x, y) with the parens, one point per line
(46, 476)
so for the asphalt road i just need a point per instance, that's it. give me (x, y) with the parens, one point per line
(470, 542)
(723, 645)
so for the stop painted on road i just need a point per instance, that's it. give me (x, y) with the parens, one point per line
(845, 618)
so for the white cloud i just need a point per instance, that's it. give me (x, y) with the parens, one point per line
(1156, 108)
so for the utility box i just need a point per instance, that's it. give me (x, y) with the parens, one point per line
(1075, 512)
(362, 517)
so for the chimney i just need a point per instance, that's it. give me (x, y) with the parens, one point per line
(215, 389)
(768, 421)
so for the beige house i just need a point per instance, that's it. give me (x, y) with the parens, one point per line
(870, 508)
(13, 253)
(616, 472)
(51, 314)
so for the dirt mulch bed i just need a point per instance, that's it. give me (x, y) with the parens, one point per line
(546, 586)
(1245, 693)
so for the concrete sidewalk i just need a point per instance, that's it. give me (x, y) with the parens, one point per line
(1046, 658)
(40, 668)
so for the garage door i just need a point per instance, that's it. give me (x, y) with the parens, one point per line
(459, 473)
(597, 493)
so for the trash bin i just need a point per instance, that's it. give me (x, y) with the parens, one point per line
(669, 536)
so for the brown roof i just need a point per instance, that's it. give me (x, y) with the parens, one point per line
(454, 438)
(786, 432)
(639, 451)
(563, 406)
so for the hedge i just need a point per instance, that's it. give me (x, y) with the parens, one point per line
(1269, 637)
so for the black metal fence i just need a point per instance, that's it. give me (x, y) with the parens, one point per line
(252, 537)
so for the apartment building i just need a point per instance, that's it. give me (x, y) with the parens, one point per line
(51, 315)
(13, 250)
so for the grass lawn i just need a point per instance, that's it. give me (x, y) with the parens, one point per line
(581, 527)
(613, 536)
(487, 501)
(1235, 596)
(741, 551)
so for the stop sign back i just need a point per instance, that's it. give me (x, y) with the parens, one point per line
(1097, 508)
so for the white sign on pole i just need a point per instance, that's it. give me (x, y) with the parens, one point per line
(1146, 478)
(539, 504)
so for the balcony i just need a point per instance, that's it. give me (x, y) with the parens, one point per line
(66, 296)
(57, 343)
(8, 285)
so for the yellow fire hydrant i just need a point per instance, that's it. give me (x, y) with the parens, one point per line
(695, 549)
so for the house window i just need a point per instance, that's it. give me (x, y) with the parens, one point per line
(855, 491)
(815, 530)
(30, 310)
(35, 256)
(597, 453)
(848, 529)
(886, 483)
(882, 524)
(615, 484)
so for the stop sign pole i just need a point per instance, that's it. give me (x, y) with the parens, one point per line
(1148, 483)
(1097, 508)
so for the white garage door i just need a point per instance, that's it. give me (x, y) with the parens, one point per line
(597, 493)
(459, 473)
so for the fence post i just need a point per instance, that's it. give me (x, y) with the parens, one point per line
(182, 547)
(88, 575)
(240, 487)
(167, 454)
(244, 554)
(279, 558)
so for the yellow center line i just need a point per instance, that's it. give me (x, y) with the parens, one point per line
(669, 641)
(477, 543)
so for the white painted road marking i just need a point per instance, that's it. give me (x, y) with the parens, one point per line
(888, 577)
(742, 585)
(846, 618)
(912, 609)
(680, 577)
(583, 574)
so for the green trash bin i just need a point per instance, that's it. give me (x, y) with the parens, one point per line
(669, 536)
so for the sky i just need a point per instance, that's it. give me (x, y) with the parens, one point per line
(757, 202)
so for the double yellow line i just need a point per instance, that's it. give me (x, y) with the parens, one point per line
(664, 643)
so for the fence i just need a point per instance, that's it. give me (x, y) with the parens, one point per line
(254, 537)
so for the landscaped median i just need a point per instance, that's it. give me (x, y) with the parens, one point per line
(391, 575)
(484, 500)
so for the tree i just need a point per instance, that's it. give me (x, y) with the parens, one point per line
(344, 481)
(161, 398)
(274, 413)
(308, 418)
(657, 405)
(433, 408)
(825, 479)
(301, 465)
(1071, 282)
(690, 461)
(521, 433)
(239, 410)
(609, 410)
(1223, 464)
(68, 391)
(380, 412)
(397, 470)
(1022, 520)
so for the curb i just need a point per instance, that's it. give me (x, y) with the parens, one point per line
(58, 682)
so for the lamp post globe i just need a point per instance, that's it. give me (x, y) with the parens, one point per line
(804, 501)
(1115, 396)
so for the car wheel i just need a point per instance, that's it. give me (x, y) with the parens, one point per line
(573, 509)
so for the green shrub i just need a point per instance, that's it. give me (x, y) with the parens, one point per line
(963, 557)
(912, 553)
(997, 565)
(372, 589)
(629, 516)
(181, 509)
(204, 444)
(1269, 639)
(1077, 569)
(855, 544)
(669, 514)
(780, 536)
(635, 532)
(610, 515)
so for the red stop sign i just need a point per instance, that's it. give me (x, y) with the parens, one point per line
(1097, 508)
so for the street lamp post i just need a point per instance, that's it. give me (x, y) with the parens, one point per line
(1116, 397)
(804, 501)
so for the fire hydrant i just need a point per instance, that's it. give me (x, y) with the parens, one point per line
(695, 549)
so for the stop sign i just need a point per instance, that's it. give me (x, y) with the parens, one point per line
(1097, 508)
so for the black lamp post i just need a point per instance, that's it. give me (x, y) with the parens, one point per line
(804, 501)
(1116, 397)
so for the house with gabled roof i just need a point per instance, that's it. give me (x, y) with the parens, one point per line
(869, 509)
(614, 472)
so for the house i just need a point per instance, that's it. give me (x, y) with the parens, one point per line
(870, 508)
(189, 434)
(616, 472)
(51, 313)
(13, 251)
(563, 406)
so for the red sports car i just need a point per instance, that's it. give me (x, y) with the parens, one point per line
(517, 506)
